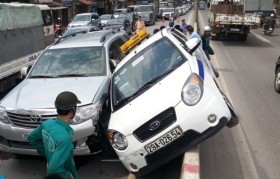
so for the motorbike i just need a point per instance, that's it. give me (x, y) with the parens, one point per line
(58, 29)
(267, 29)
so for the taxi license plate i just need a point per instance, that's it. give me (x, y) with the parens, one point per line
(164, 140)
(24, 135)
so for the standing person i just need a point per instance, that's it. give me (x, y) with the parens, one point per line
(184, 26)
(140, 24)
(52, 139)
(193, 34)
(206, 36)
(171, 20)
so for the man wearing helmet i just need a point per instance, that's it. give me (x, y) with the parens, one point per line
(205, 38)
(270, 21)
(52, 139)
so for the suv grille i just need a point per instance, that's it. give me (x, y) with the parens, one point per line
(28, 120)
(164, 119)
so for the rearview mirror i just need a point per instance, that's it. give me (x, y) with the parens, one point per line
(192, 45)
(24, 71)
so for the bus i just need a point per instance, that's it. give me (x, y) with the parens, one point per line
(48, 24)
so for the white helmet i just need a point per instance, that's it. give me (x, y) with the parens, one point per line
(207, 28)
(272, 15)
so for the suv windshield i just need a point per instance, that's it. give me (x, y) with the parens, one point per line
(79, 61)
(82, 18)
(143, 70)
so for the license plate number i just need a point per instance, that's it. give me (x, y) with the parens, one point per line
(24, 135)
(270, 29)
(234, 30)
(164, 140)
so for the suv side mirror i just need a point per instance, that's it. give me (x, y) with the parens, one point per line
(24, 71)
(113, 64)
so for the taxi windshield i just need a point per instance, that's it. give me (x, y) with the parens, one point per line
(143, 70)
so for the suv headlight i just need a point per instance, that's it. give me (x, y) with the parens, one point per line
(85, 113)
(117, 140)
(3, 116)
(192, 90)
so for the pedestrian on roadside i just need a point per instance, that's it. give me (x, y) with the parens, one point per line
(206, 37)
(140, 24)
(184, 26)
(193, 34)
(171, 20)
(53, 138)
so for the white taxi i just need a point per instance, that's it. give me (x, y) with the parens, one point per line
(164, 100)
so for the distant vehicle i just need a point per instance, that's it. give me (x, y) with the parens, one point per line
(83, 29)
(131, 17)
(230, 21)
(85, 19)
(277, 76)
(166, 12)
(104, 19)
(148, 18)
(202, 6)
(120, 11)
(119, 24)
(133, 8)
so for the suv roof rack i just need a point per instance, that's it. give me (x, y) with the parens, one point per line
(70, 35)
(105, 35)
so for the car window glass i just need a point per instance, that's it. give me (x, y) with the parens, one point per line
(88, 61)
(155, 60)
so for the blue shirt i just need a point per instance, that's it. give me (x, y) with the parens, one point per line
(195, 35)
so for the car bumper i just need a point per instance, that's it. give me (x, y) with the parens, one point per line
(196, 127)
(12, 140)
(189, 139)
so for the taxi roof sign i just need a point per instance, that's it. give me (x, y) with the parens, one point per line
(135, 40)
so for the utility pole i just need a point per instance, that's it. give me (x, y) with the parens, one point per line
(196, 10)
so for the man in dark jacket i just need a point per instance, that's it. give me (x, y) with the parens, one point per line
(53, 138)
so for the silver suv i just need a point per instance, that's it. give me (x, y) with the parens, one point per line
(82, 64)
(85, 19)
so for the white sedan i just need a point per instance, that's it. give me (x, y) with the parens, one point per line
(164, 100)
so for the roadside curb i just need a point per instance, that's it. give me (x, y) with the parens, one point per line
(190, 166)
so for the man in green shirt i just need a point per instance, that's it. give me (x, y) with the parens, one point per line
(52, 139)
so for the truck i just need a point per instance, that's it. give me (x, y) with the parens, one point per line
(258, 6)
(26, 29)
(228, 20)
(261, 7)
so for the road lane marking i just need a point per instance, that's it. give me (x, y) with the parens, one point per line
(260, 37)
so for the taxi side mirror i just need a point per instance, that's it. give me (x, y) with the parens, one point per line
(24, 71)
(192, 45)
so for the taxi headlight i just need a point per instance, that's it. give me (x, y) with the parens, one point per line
(192, 90)
(85, 113)
(3, 116)
(117, 140)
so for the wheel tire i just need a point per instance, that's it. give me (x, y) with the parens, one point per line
(277, 81)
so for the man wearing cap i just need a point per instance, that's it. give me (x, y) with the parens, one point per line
(140, 24)
(52, 139)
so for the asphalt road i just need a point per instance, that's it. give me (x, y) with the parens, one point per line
(250, 150)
